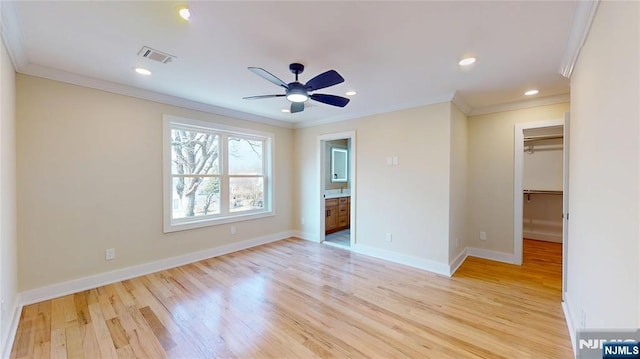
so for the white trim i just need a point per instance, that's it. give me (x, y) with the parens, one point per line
(420, 263)
(395, 107)
(568, 317)
(307, 236)
(520, 105)
(518, 166)
(11, 34)
(585, 12)
(460, 102)
(171, 225)
(542, 236)
(457, 262)
(321, 143)
(76, 285)
(491, 255)
(572, 333)
(13, 328)
(85, 81)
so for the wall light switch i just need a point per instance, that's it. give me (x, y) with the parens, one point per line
(395, 160)
(388, 237)
(483, 236)
(389, 161)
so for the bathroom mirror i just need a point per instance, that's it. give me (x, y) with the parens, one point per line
(339, 164)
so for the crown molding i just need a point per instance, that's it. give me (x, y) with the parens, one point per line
(85, 81)
(542, 101)
(11, 35)
(459, 101)
(387, 109)
(585, 12)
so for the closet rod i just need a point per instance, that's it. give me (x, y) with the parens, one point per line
(542, 138)
(534, 191)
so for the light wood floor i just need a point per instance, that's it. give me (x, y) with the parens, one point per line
(299, 299)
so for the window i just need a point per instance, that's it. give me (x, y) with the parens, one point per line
(214, 174)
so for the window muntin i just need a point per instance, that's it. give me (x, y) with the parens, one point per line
(214, 174)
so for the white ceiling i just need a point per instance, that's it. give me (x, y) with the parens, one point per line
(394, 54)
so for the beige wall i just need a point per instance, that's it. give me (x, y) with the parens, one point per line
(8, 234)
(490, 173)
(90, 178)
(410, 200)
(458, 190)
(604, 242)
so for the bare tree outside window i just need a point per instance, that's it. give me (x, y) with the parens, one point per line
(195, 170)
(197, 174)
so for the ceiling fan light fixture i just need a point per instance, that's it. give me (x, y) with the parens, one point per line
(296, 94)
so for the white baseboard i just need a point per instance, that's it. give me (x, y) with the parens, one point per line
(77, 285)
(491, 255)
(456, 263)
(13, 328)
(428, 265)
(542, 236)
(568, 317)
(306, 236)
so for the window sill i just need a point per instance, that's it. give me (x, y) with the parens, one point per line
(183, 226)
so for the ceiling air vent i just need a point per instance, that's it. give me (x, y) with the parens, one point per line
(155, 55)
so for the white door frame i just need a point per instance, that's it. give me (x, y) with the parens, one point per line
(565, 203)
(322, 139)
(518, 168)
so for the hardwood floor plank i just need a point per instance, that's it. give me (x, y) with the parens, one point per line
(297, 299)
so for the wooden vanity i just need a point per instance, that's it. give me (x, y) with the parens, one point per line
(337, 214)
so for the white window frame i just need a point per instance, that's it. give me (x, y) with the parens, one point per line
(225, 216)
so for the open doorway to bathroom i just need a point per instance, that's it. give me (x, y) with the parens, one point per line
(337, 187)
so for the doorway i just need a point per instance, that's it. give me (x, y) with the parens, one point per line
(337, 189)
(541, 186)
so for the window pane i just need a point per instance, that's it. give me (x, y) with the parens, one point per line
(245, 156)
(194, 152)
(195, 196)
(246, 193)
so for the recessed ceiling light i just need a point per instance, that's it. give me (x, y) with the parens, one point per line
(531, 92)
(351, 93)
(142, 71)
(467, 61)
(184, 13)
(285, 110)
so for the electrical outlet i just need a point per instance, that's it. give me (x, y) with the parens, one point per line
(483, 236)
(388, 237)
(110, 254)
(302, 221)
(234, 230)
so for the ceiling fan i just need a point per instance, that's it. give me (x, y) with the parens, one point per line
(298, 93)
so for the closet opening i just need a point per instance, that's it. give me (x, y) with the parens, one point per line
(541, 191)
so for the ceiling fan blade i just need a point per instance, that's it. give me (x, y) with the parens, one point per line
(297, 107)
(268, 76)
(331, 99)
(262, 96)
(323, 80)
